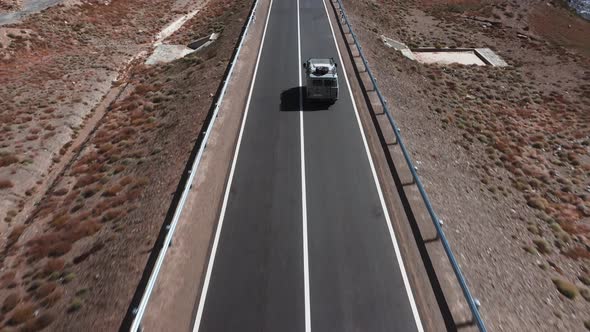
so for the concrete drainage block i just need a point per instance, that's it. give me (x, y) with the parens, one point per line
(445, 56)
(164, 53)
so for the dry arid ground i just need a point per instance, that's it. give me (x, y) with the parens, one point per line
(503, 152)
(75, 243)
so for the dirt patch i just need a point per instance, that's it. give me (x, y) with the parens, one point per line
(76, 260)
(566, 28)
(504, 152)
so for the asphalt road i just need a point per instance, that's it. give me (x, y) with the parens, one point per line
(302, 249)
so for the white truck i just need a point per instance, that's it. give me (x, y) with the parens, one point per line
(321, 79)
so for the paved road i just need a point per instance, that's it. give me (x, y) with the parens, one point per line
(302, 249)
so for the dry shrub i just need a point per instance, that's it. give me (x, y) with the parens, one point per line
(52, 298)
(542, 246)
(126, 133)
(7, 160)
(79, 169)
(578, 252)
(137, 114)
(537, 202)
(6, 184)
(90, 191)
(101, 207)
(142, 89)
(82, 216)
(75, 305)
(47, 245)
(102, 136)
(569, 226)
(566, 288)
(15, 234)
(87, 159)
(48, 206)
(34, 284)
(105, 147)
(112, 214)
(95, 167)
(41, 322)
(118, 200)
(142, 181)
(128, 105)
(126, 180)
(113, 190)
(44, 320)
(133, 194)
(73, 195)
(21, 314)
(45, 289)
(96, 247)
(59, 249)
(76, 207)
(59, 221)
(86, 228)
(77, 231)
(118, 169)
(60, 192)
(10, 302)
(6, 279)
(86, 180)
(54, 265)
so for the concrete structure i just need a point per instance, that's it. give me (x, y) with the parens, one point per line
(166, 53)
(464, 56)
(491, 57)
(444, 58)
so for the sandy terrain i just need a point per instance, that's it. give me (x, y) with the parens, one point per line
(503, 152)
(76, 237)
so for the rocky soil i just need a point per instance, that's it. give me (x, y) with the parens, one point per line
(504, 152)
(73, 260)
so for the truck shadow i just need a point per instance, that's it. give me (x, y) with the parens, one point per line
(290, 101)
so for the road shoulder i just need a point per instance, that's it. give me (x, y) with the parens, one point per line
(175, 297)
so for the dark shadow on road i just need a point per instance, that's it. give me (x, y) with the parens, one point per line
(290, 99)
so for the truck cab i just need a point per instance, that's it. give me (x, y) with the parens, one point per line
(321, 79)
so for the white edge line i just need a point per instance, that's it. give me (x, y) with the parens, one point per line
(135, 325)
(303, 188)
(227, 188)
(378, 185)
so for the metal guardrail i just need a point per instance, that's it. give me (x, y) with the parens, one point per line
(139, 310)
(473, 305)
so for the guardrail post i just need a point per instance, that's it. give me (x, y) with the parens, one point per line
(437, 237)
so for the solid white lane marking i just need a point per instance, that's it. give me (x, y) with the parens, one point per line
(228, 186)
(378, 185)
(303, 187)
